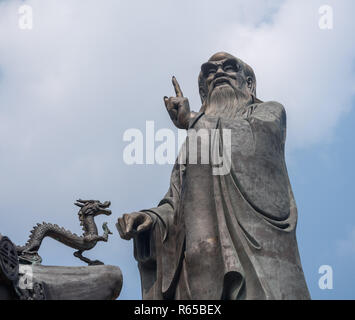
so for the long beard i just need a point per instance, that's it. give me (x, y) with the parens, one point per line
(226, 102)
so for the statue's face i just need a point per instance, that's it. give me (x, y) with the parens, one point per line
(226, 85)
(226, 72)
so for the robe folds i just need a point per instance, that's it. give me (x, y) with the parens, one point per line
(229, 236)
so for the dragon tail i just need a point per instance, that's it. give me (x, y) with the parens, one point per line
(42, 230)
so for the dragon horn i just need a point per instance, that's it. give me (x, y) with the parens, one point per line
(106, 204)
(85, 201)
(78, 204)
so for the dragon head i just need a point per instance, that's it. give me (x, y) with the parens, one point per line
(92, 208)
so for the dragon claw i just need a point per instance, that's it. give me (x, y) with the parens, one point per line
(106, 229)
(30, 258)
(96, 263)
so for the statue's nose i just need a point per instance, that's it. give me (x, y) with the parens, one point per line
(219, 71)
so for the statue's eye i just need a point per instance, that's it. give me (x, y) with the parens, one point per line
(211, 71)
(208, 69)
(230, 68)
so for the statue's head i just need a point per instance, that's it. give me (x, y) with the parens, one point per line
(225, 78)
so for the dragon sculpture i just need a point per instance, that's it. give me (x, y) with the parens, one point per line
(89, 209)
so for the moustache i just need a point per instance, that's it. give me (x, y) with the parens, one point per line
(220, 80)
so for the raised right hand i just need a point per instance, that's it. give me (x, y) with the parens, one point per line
(178, 107)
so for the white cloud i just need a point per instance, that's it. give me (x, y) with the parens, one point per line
(310, 71)
(89, 70)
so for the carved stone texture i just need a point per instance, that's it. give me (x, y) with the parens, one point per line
(102, 282)
(9, 269)
(8, 260)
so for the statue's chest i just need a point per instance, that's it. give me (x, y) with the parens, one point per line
(256, 159)
(211, 134)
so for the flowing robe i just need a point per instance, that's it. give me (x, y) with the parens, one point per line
(229, 236)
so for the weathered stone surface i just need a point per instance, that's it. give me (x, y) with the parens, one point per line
(102, 282)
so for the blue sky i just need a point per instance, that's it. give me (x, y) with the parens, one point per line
(85, 73)
(322, 182)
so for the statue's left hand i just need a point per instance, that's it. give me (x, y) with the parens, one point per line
(132, 224)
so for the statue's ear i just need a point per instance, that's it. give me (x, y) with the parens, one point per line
(252, 89)
(251, 85)
(202, 87)
(203, 94)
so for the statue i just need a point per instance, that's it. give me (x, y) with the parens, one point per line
(89, 209)
(230, 235)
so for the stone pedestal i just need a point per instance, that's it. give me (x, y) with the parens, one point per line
(102, 282)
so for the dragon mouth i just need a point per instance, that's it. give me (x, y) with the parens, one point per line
(106, 204)
(103, 208)
(106, 212)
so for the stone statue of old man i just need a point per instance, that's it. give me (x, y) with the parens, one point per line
(231, 235)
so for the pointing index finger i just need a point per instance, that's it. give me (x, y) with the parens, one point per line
(177, 88)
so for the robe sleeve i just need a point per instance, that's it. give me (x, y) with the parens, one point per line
(271, 114)
(156, 249)
(162, 215)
